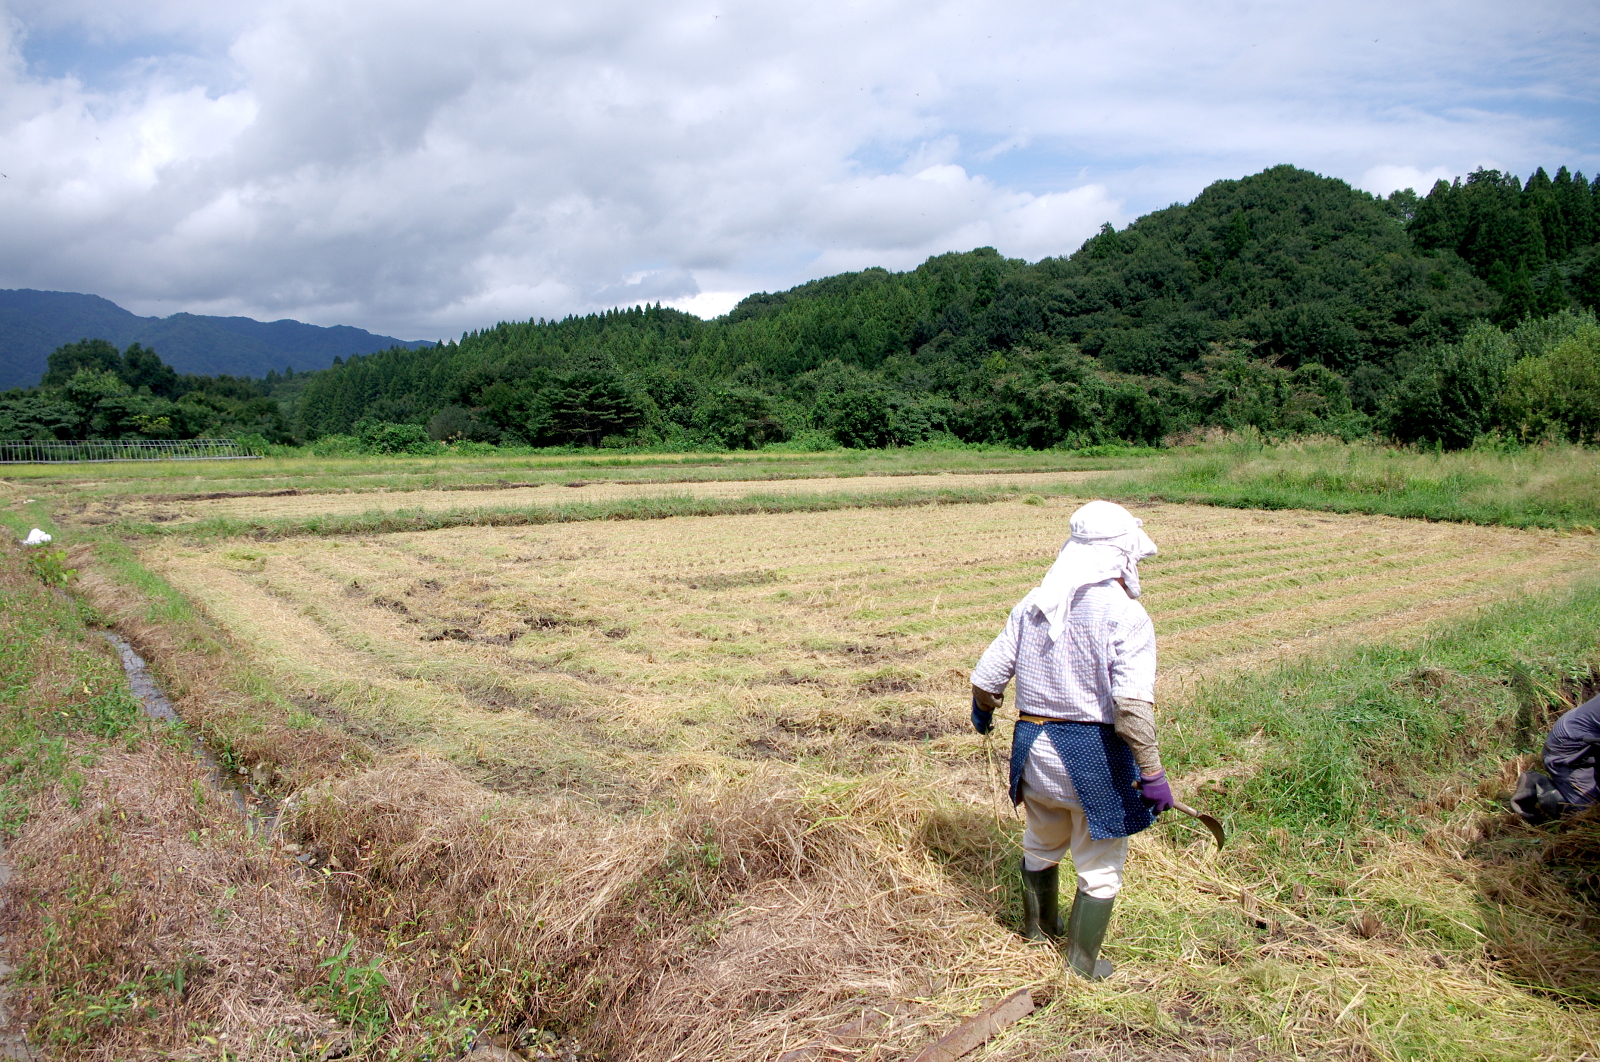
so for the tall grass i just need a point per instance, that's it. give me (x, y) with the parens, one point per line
(1554, 487)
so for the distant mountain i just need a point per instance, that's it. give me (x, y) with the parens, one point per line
(33, 323)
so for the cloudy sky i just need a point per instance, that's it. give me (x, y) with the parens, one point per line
(419, 169)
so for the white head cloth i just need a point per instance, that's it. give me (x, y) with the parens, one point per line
(1107, 542)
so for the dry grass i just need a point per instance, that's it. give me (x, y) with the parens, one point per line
(1530, 877)
(154, 928)
(733, 925)
(752, 914)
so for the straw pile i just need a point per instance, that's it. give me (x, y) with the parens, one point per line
(734, 925)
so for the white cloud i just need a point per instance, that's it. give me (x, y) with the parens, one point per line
(708, 304)
(421, 169)
(1386, 178)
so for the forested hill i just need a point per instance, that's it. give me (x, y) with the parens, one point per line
(33, 323)
(1284, 300)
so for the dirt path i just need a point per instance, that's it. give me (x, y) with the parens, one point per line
(304, 505)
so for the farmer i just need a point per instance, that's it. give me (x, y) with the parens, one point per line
(1084, 758)
(1570, 754)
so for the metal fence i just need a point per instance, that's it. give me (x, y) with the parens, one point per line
(32, 453)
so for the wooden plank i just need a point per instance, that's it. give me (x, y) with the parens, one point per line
(975, 1030)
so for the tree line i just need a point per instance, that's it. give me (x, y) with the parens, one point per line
(91, 390)
(1285, 302)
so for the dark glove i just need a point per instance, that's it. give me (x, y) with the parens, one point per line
(1156, 790)
(982, 718)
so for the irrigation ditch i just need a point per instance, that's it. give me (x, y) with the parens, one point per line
(263, 815)
(261, 811)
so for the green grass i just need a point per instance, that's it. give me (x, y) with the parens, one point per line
(305, 472)
(1353, 740)
(57, 682)
(1368, 791)
(1556, 487)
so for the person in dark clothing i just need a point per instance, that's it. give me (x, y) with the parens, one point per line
(1570, 754)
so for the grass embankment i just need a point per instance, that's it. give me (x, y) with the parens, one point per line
(1558, 487)
(143, 919)
(1371, 903)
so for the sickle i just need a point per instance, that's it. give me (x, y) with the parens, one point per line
(1208, 821)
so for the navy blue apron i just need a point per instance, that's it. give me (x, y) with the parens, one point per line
(1102, 769)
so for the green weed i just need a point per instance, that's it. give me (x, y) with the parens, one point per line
(355, 989)
(50, 565)
(653, 508)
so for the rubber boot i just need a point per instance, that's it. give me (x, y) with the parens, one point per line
(1085, 931)
(1041, 906)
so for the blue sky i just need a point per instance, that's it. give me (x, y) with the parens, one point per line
(420, 169)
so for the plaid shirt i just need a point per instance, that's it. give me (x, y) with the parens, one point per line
(1107, 650)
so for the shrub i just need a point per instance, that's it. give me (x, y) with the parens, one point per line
(1450, 397)
(468, 448)
(336, 446)
(858, 418)
(739, 418)
(396, 439)
(460, 424)
(1557, 394)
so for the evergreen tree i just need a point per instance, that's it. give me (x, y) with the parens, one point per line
(1553, 296)
(1586, 284)
(142, 368)
(1519, 302)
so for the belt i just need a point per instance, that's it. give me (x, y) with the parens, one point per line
(1041, 720)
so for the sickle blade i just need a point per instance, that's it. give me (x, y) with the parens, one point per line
(1210, 822)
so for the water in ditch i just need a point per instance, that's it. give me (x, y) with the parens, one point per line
(261, 811)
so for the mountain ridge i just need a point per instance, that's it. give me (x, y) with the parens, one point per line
(35, 322)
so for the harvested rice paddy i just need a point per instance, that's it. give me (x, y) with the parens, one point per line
(595, 654)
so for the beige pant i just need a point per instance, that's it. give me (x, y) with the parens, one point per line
(1054, 825)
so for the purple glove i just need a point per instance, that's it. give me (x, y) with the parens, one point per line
(1156, 790)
